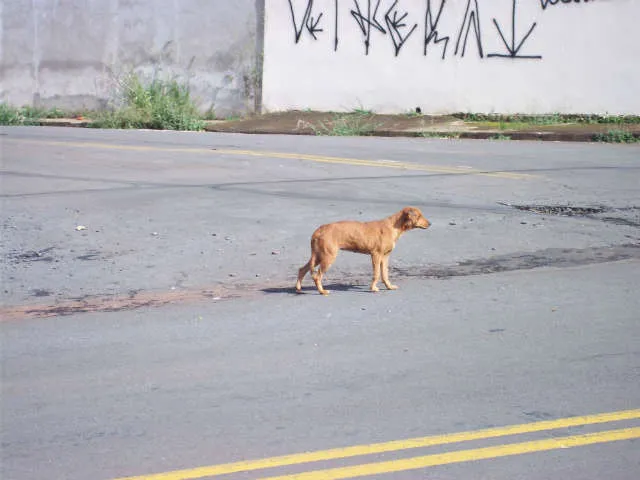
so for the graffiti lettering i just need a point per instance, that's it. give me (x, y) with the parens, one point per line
(511, 47)
(335, 39)
(395, 25)
(546, 3)
(366, 22)
(307, 22)
(389, 18)
(471, 18)
(431, 29)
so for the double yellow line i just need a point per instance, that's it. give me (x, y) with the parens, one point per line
(290, 156)
(426, 460)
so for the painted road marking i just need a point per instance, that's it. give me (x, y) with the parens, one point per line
(376, 448)
(291, 156)
(465, 456)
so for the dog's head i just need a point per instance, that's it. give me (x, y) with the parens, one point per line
(411, 217)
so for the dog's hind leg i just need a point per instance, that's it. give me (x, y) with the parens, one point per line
(309, 266)
(325, 263)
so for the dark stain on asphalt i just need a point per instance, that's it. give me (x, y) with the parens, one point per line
(550, 257)
(90, 255)
(32, 256)
(626, 216)
(39, 292)
(562, 210)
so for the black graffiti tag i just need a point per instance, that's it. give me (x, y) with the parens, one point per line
(308, 22)
(395, 25)
(389, 18)
(471, 19)
(431, 29)
(546, 3)
(366, 21)
(513, 49)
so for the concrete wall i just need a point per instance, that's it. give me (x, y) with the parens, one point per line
(502, 56)
(72, 53)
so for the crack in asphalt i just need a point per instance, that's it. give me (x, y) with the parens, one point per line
(551, 257)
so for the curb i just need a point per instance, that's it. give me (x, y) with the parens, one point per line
(448, 134)
(550, 136)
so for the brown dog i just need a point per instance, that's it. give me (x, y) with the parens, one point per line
(376, 238)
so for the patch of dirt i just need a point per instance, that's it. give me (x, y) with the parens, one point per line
(116, 303)
(303, 122)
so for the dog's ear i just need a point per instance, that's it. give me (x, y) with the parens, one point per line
(409, 218)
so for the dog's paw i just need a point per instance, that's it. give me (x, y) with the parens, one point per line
(375, 289)
(392, 287)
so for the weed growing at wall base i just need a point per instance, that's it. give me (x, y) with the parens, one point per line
(616, 136)
(26, 115)
(551, 119)
(160, 105)
(440, 135)
(499, 136)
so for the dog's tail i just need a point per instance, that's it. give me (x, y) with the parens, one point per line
(312, 262)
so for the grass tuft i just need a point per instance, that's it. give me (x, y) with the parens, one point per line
(499, 136)
(26, 115)
(357, 123)
(159, 105)
(440, 135)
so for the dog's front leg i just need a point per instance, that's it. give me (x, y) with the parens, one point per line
(376, 262)
(385, 273)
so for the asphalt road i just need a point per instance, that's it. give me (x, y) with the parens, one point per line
(149, 323)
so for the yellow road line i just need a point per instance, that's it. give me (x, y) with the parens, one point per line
(465, 456)
(357, 450)
(290, 156)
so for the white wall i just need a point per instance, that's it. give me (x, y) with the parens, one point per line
(585, 56)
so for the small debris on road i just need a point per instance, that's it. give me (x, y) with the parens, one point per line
(80, 227)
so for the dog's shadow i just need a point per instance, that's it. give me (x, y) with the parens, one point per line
(337, 287)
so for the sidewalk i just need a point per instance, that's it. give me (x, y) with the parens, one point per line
(327, 123)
